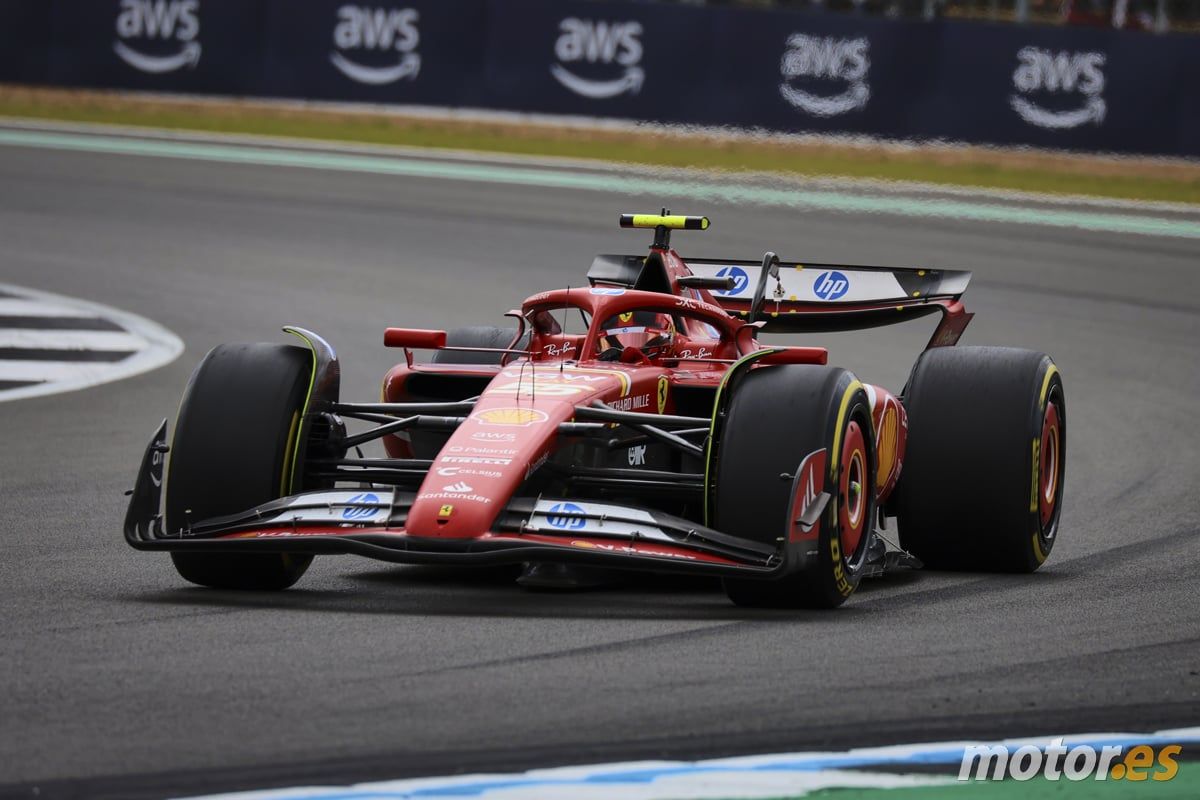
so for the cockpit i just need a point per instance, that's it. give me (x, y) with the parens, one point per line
(652, 333)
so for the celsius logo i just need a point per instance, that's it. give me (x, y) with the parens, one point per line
(366, 510)
(813, 62)
(175, 21)
(1046, 74)
(377, 30)
(566, 516)
(740, 279)
(598, 42)
(830, 285)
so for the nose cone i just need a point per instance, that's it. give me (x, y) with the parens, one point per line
(508, 435)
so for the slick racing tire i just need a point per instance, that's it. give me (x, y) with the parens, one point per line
(777, 417)
(476, 336)
(981, 487)
(234, 449)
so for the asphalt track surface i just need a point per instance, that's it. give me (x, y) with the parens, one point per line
(118, 679)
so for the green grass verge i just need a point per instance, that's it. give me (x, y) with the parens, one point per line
(976, 167)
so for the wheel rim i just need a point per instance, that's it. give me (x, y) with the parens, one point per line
(1049, 467)
(853, 489)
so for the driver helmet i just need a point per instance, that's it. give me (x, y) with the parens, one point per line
(651, 332)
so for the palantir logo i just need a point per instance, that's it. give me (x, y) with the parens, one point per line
(1044, 80)
(142, 23)
(566, 516)
(371, 31)
(740, 279)
(813, 65)
(585, 43)
(830, 285)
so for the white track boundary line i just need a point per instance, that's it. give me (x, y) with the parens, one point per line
(160, 347)
(51, 339)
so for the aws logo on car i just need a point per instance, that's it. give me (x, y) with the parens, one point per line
(1058, 90)
(376, 45)
(599, 59)
(825, 75)
(158, 36)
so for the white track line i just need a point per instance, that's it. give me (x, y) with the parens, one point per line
(27, 338)
(153, 344)
(53, 371)
(21, 307)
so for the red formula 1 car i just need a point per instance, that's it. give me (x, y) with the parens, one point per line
(636, 423)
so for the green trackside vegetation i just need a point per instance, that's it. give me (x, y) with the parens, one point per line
(1126, 178)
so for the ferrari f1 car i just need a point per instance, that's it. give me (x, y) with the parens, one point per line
(637, 422)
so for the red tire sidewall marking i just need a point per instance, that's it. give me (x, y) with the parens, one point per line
(852, 515)
(1050, 466)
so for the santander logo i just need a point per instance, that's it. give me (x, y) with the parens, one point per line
(385, 38)
(145, 24)
(586, 42)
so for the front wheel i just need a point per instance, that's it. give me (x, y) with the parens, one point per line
(235, 447)
(792, 434)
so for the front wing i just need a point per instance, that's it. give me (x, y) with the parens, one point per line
(370, 522)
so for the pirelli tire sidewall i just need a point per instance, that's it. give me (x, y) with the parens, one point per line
(776, 417)
(235, 446)
(984, 472)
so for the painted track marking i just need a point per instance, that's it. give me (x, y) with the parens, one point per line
(51, 344)
(632, 184)
(767, 776)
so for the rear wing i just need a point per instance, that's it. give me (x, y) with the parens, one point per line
(809, 298)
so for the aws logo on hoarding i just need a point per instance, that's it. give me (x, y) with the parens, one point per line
(386, 38)
(1058, 90)
(147, 28)
(825, 75)
(609, 55)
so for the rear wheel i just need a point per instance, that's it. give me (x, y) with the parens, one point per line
(234, 448)
(792, 433)
(982, 482)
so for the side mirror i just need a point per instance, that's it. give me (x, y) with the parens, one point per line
(414, 338)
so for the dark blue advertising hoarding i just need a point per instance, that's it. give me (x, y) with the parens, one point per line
(1079, 88)
(790, 71)
(428, 52)
(25, 41)
(207, 46)
(647, 61)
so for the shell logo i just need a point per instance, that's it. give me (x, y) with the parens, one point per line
(511, 417)
(886, 442)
